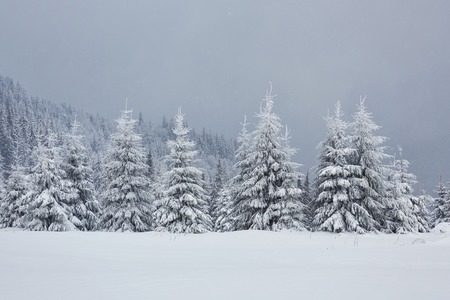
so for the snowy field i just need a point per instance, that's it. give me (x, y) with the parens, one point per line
(239, 265)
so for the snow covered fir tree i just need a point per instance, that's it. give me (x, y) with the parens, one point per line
(307, 199)
(267, 197)
(85, 207)
(48, 205)
(125, 194)
(225, 210)
(441, 205)
(369, 182)
(404, 211)
(217, 186)
(336, 210)
(183, 207)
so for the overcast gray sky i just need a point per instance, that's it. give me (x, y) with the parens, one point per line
(215, 59)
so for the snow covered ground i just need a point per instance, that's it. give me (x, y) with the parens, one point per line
(239, 265)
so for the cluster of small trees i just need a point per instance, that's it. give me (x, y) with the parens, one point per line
(57, 193)
(354, 190)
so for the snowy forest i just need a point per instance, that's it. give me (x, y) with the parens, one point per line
(64, 169)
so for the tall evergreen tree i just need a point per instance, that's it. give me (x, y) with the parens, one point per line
(293, 211)
(335, 209)
(125, 197)
(268, 198)
(184, 206)
(369, 183)
(47, 208)
(85, 208)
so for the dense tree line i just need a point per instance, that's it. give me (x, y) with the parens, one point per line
(67, 170)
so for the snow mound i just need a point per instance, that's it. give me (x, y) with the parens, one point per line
(442, 228)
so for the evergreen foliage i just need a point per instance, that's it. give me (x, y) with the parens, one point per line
(23, 118)
(226, 212)
(336, 210)
(308, 201)
(53, 186)
(405, 212)
(183, 207)
(125, 196)
(47, 207)
(150, 165)
(85, 208)
(224, 220)
(217, 187)
(441, 212)
(369, 184)
(268, 197)
(13, 198)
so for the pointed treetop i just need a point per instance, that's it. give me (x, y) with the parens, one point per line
(400, 151)
(179, 128)
(75, 125)
(287, 133)
(362, 109)
(362, 101)
(338, 110)
(268, 100)
(179, 118)
(244, 125)
(128, 112)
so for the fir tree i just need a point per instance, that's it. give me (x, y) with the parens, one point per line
(401, 210)
(368, 182)
(125, 197)
(421, 213)
(292, 208)
(47, 207)
(335, 209)
(308, 201)
(216, 189)
(227, 216)
(184, 206)
(441, 212)
(85, 208)
(224, 220)
(268, 197)
(158, 185)
(425, 215)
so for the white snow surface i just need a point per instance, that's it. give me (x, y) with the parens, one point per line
(237, 265)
